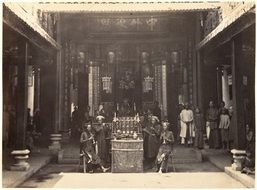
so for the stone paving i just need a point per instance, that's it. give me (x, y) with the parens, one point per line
(196, 175)
(36, 161)
(148, 180)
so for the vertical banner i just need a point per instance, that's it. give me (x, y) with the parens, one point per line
(160, 83)
(93, 88)
(164, 90)
(90, 89)
(157, 84)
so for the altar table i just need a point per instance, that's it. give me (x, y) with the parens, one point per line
(127, 156)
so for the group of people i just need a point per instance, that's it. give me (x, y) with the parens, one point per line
(158, 139)
(158, 143)
(94, 133)
(216, 123)
(93, 144)
(157, 135)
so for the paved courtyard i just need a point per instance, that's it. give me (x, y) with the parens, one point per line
(148, 180)
(197, 175)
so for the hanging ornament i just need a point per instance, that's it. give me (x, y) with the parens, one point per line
(107, 84)
(145, 56)
(111, 57)
(147, 84)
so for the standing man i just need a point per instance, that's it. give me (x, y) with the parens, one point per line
(100, 135)
(180, 108)
(186, 118)
(75, 122)
(212, 125)
(151, 140)
(199, 126)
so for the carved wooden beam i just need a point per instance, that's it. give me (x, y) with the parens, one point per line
(19, 21)
(226, 23)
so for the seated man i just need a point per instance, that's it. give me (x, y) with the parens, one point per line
(87, 141)
(165, 150)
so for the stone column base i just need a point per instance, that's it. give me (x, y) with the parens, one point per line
(238, 163)
(238, 156)
(56, 145)
(21, 157)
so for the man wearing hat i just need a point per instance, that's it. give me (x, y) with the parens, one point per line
(87, 149)
(166, 148)
(151, 144)
(100, 138)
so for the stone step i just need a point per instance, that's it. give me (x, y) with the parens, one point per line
(247, 180)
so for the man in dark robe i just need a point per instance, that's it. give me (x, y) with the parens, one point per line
(75, 122)
(151, 138)
(87, 148)
(29, 121)
(101, 148)
(212, 115)
(166, 148)
(199, 126)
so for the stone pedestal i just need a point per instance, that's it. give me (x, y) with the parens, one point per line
(239, 157)
(21, 157)
(56, 145)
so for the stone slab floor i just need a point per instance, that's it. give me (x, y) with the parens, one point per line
(197, 175)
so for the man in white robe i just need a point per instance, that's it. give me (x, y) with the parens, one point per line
(186, 119)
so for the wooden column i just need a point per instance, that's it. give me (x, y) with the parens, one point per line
(22, 99)
(237, 118)
(37, 89)
(55, 137)
(20, 153)
(58, 91)
(199, 81)
(219, 85)
(198, 64)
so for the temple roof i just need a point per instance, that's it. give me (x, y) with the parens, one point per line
(127, 6)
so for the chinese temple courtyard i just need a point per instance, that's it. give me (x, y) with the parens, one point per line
(188, 164)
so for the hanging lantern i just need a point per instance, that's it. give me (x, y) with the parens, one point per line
(81, 61)
(107, 84)
(111, 57)
(147, 84)
(175, 57)
(145, 56)
(81, 57)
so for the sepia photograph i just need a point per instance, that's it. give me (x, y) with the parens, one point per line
(128, 94)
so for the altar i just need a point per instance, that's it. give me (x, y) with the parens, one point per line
(127, 156)
(127, 145)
